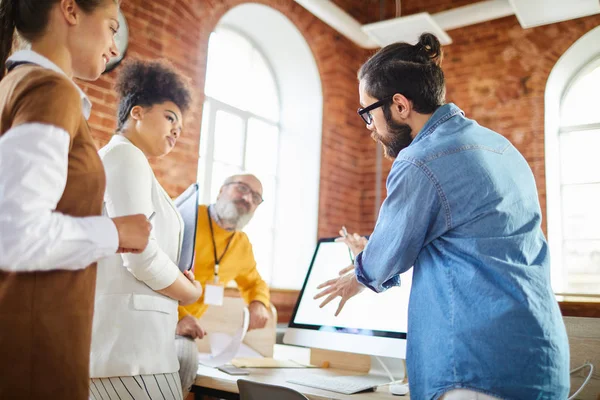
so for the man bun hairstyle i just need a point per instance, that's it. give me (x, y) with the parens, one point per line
(147, 83)
(430, 49)
(411, 70)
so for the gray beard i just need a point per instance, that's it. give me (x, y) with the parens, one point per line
(230, 216)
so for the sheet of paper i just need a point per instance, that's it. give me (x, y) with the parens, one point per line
(246, 351)
(223, 346)
(267, 363)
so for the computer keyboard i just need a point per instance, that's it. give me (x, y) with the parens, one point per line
(341, 384)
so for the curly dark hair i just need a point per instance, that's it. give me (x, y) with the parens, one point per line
(146, 83)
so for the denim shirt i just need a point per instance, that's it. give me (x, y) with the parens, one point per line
(462, 209)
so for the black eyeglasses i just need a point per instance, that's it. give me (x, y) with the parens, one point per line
(365, 113)
(244, 189)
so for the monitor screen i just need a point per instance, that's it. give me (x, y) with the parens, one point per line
(367, 314)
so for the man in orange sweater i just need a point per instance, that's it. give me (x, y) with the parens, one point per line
(223, 253)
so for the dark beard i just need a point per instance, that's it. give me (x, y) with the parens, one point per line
(399, 136)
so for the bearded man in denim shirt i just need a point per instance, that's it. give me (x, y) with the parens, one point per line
(462, 209)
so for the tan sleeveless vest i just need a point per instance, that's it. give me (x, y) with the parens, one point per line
(46, 317)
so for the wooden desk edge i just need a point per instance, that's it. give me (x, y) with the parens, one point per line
(279, 376)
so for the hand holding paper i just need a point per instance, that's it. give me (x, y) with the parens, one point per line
(259, 315)
(223, 349)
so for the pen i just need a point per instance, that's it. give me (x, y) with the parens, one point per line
(151, 215)
(345, 232)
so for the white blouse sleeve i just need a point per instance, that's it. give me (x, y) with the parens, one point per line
(129, 181)
(33, 176)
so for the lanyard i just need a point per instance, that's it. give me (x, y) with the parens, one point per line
(212, 235)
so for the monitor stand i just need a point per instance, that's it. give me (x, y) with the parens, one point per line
(359, 363)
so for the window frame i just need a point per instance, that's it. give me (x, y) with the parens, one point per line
(575, 62)
(207, 160)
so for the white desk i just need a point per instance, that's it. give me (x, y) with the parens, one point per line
(212, 382)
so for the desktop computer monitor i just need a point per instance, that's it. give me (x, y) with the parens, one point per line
(370, 323)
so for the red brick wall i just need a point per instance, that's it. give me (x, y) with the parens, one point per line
(496, 72)
(369, 11)
(179, 29)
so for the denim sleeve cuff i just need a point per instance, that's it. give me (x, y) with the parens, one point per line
(372, 284)
(393, 281)
(360, 274)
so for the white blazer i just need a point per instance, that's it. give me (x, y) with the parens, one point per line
(134, 326)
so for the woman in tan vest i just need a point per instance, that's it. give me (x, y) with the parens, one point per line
(52, 184)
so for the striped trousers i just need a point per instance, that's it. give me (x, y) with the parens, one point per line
(187, 354)
(140, 387)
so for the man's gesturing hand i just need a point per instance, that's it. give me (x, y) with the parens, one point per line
(345, 286)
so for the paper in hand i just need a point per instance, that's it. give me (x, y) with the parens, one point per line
(224, 347)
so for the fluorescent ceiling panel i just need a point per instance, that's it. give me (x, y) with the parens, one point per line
(405, 29)
(532, 13)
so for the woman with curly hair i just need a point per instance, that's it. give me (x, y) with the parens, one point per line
(133, 341)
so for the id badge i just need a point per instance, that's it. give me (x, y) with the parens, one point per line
(213, 294)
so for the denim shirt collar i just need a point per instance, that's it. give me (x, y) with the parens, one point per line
(441, 115)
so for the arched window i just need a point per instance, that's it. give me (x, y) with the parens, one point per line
(262, 115)
(573, 168)
(240, 131)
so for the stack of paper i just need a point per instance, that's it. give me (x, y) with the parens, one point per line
(267, 363)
